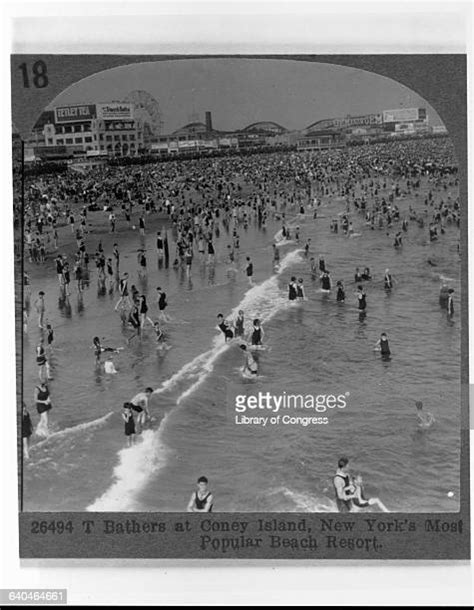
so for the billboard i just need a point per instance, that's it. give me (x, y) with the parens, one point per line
(348, 121)
(69, 114)
(352, 121)
(401, 115)
(115, 110)
(405, 127)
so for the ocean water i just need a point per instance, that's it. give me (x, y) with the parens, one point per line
(314, 347)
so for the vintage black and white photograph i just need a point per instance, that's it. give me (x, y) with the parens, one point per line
(238, 284)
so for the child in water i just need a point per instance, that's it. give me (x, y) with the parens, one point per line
(382, 345)
(251, 366)
(359, 501)
(160, 337)
(239, 324)
(425, 420)
(341, 295)
(99, 349)
(300, 290)
(127, 416)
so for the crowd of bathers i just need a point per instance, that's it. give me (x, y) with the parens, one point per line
(208, 200)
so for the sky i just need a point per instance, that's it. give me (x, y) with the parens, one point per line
(239, 92)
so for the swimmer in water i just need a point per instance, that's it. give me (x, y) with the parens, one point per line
(251, 366)
(292, 292)
(43, 405)
(249, 270)
(300, 294)
(388, 281)
(134, 321)
(325, 280)
(361, 298)
(40, 308)
(162, 305)
(397, 242)
(341, 295)
(312, 267)
(444, 296)
(140, 405)
(123, 289)
(425, 420)
(99, 349)
(26, 432)
(127, 416)
(359, 501)
(158, 332)
(343, 489)
(256, 337)
(49, 336)
(224, 326)
(382, 345)
(201, 501)
(42, 362)
(450, 303)
(239, 324)
(160, 337)
(276, 255)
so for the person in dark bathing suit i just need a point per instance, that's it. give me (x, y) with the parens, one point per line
(239, 324)
(162, 304)
(201, 500)
(325, 281)
(292, 292)
(134, 320)
(224, 327)
(42, 362)
(26, 431)
(257, 333)
(127, 416)
(383, 346)
(300, 290)
(341, 295)
(123, 288)
(361, 297)
(99, 348)
(249, 270)
(43, 405)
(342, 487)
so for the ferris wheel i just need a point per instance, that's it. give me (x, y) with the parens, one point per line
(147, 109)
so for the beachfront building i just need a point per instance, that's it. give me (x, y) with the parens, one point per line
(320, 140)
(202, 137)
(337, 132)
(107, 128)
